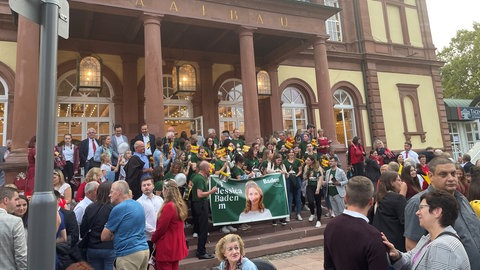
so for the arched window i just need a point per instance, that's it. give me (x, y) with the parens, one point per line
(3, 110)
(344, 116)
(79, 111)
(177, 108)
(230, 108)
(294, 110)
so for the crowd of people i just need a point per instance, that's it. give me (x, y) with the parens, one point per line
(131, 208)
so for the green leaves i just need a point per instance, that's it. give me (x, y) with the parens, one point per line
(460, 75)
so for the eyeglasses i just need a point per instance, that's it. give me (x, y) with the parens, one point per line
(421, 206)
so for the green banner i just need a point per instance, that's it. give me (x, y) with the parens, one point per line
(243, 201)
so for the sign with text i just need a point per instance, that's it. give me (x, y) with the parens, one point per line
(243, 201)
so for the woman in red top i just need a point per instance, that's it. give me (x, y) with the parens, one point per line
(356, 155)
(169, 237)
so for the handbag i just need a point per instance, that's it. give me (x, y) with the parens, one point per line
(83, 244)
(292, 178)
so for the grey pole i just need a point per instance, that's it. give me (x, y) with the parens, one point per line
(43, 205)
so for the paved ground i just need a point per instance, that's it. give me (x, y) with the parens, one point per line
(311, 258)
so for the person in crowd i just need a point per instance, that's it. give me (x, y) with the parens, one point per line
(118, 138)
(254, 208)
(90, 197)
(356, 157)
(159, 158)
(94, 174)
(200, 193)
(312, 173)
(267, 161)
(400, 160)
(463, 184)
(137, 167)
(106, 148)
(21, 211)
(100, 255)
(467, 164)
(4, 153)
(368, 252)
(148, 141)
(389, 209)
(473, 195)
(88, 148)
(237, 141)
(122, 162)
(294, 183)
(151, 204)
(210, 147)
(385, 155)
(252, 161)
(372, 167)
(63, 188)
(409, 177)
(69, 222)
(230, 251)
(169, 237)
(310, 151)
(323, 143)
(409, 153)
(32, 156)
(13, 249)
(126, 227)
(336, 180)
(441, 248)
(237, 172)
(108, 169)
(158, 176)
(71, 153)
(443, 176)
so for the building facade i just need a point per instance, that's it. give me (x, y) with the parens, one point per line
(353, 67)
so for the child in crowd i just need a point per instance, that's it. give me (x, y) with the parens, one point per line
(108, 170)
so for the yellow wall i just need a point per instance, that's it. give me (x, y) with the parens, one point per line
(377, 21)
(392, 111)
(302, 73)
(395, 24)
(8, 54)
(414, 27)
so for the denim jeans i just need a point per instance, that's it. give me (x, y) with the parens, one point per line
(295, 194)
(101, 259)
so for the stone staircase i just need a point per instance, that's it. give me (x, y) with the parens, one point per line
(260, 240)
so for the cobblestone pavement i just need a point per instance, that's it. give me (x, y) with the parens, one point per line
(301, 259)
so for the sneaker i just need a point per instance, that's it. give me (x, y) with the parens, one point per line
(283, 222)
(311, 217)
(195, 235)
(287, 219)
(274, 223)
(306, 208)
(299, 217)
(318, 224)
(224, 229)
(231, 228)
(244, 227)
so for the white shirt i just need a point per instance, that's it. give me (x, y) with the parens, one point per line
(151, 206)
(91, 153)
(355, 215)
(68, 153)
(119, 139)
(80, 209)
(411, 154)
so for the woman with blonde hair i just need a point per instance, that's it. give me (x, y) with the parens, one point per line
(169, 237)
(63, 188)
(94, 174)
(254, 208)
(230, 251)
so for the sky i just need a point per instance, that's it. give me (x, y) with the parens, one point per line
(447, 17)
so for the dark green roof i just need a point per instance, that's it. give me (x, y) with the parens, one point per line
(450, 102)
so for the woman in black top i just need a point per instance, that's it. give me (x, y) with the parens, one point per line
(100, 255)
(390, 207)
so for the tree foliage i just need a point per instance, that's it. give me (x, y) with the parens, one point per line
(461, 73)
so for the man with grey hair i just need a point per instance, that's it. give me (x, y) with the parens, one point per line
(90, 197)
(13, 249)
(126, 227)
(369, 252)
(213, 134)
(137, 167)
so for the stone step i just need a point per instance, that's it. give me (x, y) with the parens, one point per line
(263, 239)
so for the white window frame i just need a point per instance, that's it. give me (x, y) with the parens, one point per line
(339, 98)
(334, 23)
(293, 105)
(4, 100)
(235, 103)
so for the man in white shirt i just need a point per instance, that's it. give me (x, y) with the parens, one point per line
(147, 138)
(409, 153)
(90, 197)
(151, 204)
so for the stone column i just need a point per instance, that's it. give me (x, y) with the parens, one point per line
(154, 116)
(323, 88)
(209, 98)
(275, 100)
(130, 97)
(249, 83)
(26, 83)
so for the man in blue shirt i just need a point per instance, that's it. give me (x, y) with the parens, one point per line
(126, 227)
